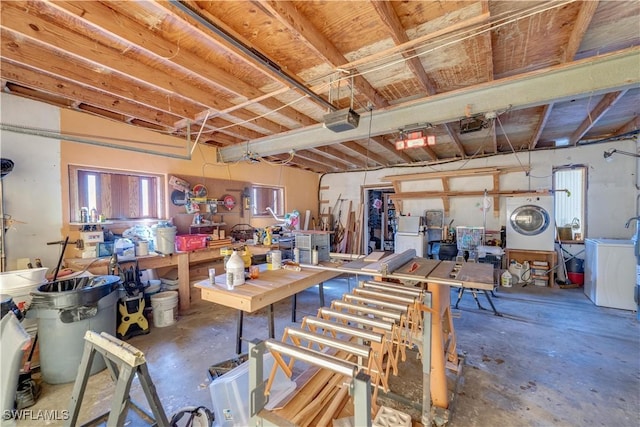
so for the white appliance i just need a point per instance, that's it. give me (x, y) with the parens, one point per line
(410, 235)
(530, 223)
(610, 273)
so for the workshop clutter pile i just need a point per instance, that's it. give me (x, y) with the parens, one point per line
(367, 330)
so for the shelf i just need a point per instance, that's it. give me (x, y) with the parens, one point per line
(549, 258)
(91, 223)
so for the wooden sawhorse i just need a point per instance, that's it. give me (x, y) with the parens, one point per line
(124, 361)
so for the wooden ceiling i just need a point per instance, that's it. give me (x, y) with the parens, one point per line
(256, 78)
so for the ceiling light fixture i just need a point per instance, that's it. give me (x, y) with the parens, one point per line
(414, 139)
(609, 153)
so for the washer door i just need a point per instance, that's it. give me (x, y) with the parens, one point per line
(530, 220)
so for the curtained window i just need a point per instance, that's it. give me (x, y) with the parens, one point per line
(118, 195)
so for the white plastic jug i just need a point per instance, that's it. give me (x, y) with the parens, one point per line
(235, 271)
(516, 269)
(505, 279)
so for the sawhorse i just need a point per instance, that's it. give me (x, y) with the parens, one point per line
(123, 362)
(474, 292)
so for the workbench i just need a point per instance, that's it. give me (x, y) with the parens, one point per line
(270, 287)
(181, 260)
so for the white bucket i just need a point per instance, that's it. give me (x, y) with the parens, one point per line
(165, 240)
(165, 308)
(142, 248)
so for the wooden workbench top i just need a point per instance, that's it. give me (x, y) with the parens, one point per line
(271, 287)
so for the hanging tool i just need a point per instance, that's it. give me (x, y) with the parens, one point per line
(562, 262)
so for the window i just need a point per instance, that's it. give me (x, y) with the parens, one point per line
(569, 185)
(118, 195)
(267, 197)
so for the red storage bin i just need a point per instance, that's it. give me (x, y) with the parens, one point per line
(191, 242)
(576, 278)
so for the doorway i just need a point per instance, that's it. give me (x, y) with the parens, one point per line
(380, 219)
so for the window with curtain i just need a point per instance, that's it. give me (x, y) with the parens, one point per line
(570, 190)
(118, 195)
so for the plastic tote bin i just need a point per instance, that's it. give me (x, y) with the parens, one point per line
(230, 393)
(14, 339)
(65, 310)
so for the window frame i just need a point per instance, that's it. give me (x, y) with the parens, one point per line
(157, 188)
(280, 208)
(561, 196)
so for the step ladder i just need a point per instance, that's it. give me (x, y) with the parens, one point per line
(123, 362)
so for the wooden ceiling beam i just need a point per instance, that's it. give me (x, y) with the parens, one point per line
(206, 33)
(102, 16)
(368, 154)
(321, 159)
(70, 34)
(39, 96)
(390, 148)
(59, 86)
(25, 51)
(306, 164)
(455, 138)
(630, 126)
(542, 122)
(390, 19)
(596, 114)
(337, 154)
(579, 28)
(289, 16)
(302, 158)
(345, 164)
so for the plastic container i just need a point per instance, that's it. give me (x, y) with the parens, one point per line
(230, 393)
(19, 283)
(14, 339)
(142, 248)
(274, 260)
(575, 265)
(169, 285)
(165, 308)
(191, 242)
(576, 278)
(165, 240)
(64, 315)
(124, 249)
(235, 271)
(505, 279)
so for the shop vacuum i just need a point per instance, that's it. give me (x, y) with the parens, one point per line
(131, 319)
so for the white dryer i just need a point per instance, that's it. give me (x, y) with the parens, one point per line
(530, 223)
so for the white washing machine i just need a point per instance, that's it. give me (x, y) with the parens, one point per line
(530, 223)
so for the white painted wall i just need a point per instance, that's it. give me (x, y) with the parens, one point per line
(32, 198)
(611, 195)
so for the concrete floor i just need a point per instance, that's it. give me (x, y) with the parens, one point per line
(553, 359)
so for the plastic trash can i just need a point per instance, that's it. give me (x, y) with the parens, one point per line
(65, 310)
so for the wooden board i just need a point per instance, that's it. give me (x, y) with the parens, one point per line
(476, 275)
(272, 286)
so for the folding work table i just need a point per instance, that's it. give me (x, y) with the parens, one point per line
(272, 286)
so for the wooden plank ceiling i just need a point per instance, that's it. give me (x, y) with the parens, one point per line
(228, 73)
